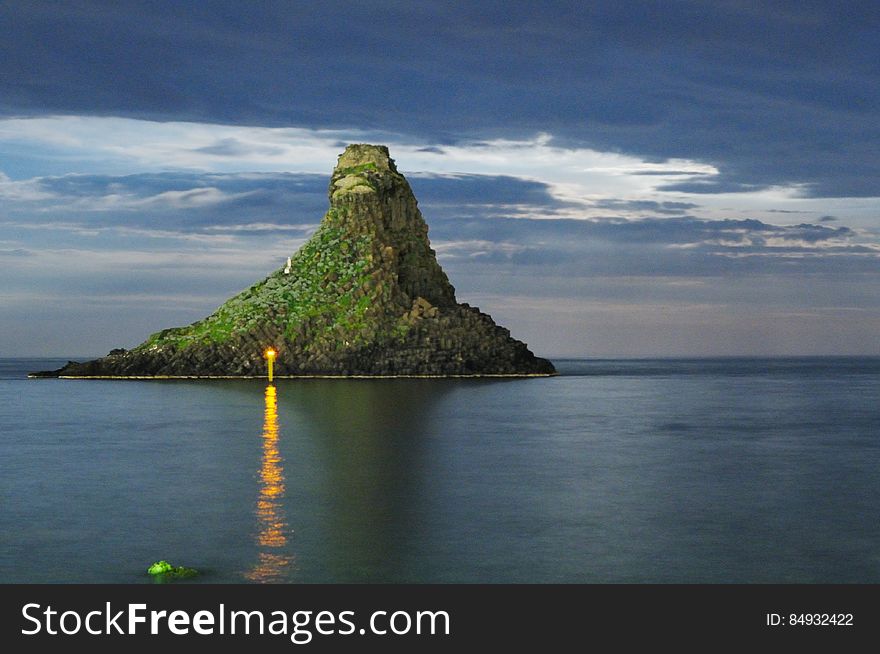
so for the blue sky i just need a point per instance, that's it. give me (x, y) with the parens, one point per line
(606, 179)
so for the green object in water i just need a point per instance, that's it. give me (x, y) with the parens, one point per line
(160, 567)
(165, 570)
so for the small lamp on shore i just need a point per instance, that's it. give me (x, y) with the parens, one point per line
(270, 357)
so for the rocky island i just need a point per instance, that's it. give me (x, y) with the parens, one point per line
(365, 296)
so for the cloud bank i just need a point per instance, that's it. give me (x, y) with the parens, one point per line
(775, 95)
(605, 178)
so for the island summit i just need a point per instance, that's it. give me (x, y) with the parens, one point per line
(364, 296)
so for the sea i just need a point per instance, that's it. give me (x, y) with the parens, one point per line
(616, 471)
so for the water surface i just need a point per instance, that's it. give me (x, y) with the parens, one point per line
(727, 470)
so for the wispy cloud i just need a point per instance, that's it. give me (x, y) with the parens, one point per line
(575, 182)
(15, 252)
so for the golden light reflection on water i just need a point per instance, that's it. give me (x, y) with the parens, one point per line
(273, 561)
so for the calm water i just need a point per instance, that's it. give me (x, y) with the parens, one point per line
(616, 471)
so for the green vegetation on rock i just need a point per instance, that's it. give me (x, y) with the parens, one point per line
(354, 170)
(329, 282)
(165, 571)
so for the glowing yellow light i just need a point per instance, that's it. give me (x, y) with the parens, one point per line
(272, 536)
(270, 356)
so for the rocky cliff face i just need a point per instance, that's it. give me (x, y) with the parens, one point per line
(364, 296)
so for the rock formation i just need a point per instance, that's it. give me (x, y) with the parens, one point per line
(364, 296)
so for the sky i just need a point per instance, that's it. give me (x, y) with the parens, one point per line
(605, 179)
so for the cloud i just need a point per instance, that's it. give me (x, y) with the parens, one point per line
(651, 206)
(231, 147)
(580, 182)
(714, 186)
(473, 218)
(193, 198)
(665, 173)
(167, 203)
(780, 95)
(458, 195)
(533, 251)
(459, 207)
(22, 190)
(719, 317)
(485, 251)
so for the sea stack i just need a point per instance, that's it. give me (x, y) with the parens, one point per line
(364, 296)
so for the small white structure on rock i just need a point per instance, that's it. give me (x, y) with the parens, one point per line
(287, 267)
